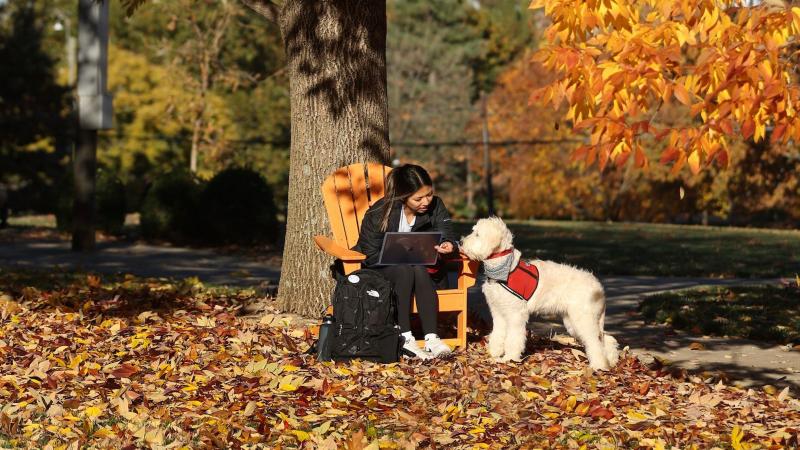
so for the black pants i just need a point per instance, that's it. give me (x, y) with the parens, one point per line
(408, 281)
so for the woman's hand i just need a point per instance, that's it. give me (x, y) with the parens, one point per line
(444, 248)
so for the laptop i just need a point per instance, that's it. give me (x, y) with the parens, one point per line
(415, 248)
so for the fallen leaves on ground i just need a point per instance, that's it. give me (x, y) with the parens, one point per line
(143, 363)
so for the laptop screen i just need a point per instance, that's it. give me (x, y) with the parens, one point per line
(410, 248)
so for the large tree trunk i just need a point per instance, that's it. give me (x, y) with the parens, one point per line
(84, 166)
(336, 55)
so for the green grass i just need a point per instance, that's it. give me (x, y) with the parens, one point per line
(764, 313)
(659, 250)
(642, 249)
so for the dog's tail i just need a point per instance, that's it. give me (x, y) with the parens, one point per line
(611, 348)
(609, 343)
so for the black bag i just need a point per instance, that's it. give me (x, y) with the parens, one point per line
(365, 318)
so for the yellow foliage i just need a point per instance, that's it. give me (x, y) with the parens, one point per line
(153, 115)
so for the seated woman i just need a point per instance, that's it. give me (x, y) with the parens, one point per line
(410, 206)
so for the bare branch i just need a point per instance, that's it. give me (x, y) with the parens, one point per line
(264, 8)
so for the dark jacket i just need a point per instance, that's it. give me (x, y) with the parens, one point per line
(370, 238)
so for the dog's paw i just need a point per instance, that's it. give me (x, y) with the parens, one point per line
(495, 353)
(599, 367)
(511, 358)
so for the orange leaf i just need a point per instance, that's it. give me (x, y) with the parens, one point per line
(669, 154)
(639, 157)
(696, 108)
(777, 132)
(721, 157)
(622, 159)
(602, 157)
(586, 123)
(682, 94)
(748, 127)
(580, 153)
(599, 411)
(726, 126)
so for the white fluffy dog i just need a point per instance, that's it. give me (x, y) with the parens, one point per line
(574, 294)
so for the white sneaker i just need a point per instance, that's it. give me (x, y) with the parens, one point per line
(412, 350)
(435, 345)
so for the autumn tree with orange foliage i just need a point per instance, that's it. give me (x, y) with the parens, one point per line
(618, 62)
(541, 180)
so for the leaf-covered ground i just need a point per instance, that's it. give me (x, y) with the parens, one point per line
(130, 363)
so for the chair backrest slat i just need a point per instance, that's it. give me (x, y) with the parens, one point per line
(377, 180)
(360, 198)
(347, 193)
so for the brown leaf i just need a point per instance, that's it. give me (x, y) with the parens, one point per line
(125, 371)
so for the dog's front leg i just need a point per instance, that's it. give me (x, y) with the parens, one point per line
(516, 335)
(497, 338)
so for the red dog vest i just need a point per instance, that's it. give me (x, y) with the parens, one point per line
(522, 281)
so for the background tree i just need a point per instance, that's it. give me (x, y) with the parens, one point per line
(247, 105)
(33, 106)
(728, 63)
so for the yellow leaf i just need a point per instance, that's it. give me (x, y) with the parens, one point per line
(155, 437)
(694, 162)
(322, 429)
(530, 395)
(31, 427)
(736, 438)
(290, 368)
(287, 387)
(209, 322)
(477, 430)
(104, 432)
(93, 412)
(571, 402)
(759, 132)
(301, 435)
(190, 388)
(636, 417)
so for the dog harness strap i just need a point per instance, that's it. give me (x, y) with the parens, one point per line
(522, 281)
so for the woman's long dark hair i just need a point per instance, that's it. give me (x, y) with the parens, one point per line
(401, 183)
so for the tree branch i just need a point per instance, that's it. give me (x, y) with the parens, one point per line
(264, 8)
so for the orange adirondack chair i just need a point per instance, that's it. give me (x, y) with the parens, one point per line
(348, 194)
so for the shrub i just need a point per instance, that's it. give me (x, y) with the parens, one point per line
(109, 203)
(238, 207)
(170, 209)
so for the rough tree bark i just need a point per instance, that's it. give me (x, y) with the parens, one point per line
(336, 56)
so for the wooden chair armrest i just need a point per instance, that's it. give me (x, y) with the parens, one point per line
(469, 271)
(330, 247)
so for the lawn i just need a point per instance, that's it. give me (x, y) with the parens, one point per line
(659, 250)
(122, 362)
(609, 248)
(764, 313)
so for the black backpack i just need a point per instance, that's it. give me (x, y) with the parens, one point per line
(365, 314)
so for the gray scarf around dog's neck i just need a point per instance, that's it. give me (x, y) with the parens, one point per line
(498, 268)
